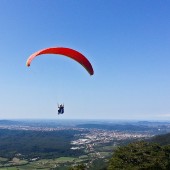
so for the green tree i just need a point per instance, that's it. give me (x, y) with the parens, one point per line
(140, 156)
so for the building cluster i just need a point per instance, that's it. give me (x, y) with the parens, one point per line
(97, 136)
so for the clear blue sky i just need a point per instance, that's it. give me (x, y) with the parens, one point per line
(127, 42)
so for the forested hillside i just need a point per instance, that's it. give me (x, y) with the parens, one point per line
(37, 143)
(161, 139)
(143, 155)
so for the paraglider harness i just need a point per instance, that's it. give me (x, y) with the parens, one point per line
(60, 109)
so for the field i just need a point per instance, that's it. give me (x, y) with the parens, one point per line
(43, 164)
(61, 163)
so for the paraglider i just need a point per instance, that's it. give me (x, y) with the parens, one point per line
(60, 109)
(68, 52)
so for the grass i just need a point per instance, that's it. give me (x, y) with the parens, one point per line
(105, 154)
(9, 168)
(3, 159)
(43, 164)
(106, 148)
(66, 159)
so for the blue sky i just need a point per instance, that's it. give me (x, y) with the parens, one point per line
(127, 42)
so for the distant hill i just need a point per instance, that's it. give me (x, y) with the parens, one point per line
(9, 122)
(36, 123)
(161, 139)
(118, 127)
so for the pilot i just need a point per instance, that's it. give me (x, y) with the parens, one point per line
(61, 109)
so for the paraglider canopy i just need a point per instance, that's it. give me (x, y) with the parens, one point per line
(68, 52)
